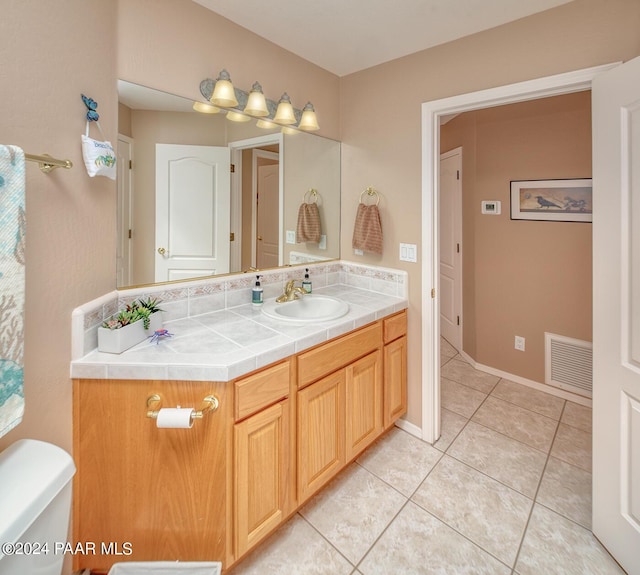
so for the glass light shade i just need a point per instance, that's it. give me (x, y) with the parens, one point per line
(266, 124)
(289, 130)
(237, 117)
(223, 93)
(205, 108)
(308, 121)
(256, 103)
(284, 113)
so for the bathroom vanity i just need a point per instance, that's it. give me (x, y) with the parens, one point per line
(280, 432)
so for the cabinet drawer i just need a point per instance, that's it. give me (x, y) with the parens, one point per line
(395, 326)
(321, 361)
(261, 389)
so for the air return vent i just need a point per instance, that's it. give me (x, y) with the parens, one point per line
(569, 363)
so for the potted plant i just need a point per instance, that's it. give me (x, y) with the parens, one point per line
(139, 320)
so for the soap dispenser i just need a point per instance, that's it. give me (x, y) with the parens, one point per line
(257, 293)
(306, 282)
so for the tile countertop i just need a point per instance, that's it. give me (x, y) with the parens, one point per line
(226, 344)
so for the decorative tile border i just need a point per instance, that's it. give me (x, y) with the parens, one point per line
(195, 297)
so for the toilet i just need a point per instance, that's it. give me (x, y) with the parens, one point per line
(35, 503)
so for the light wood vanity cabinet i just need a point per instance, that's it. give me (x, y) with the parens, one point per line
(264, 453)
(214, 491)
(395, 367)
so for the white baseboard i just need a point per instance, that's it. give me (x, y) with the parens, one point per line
(529, 382)
(409, 427)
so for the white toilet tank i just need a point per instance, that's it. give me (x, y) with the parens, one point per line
(35, 503)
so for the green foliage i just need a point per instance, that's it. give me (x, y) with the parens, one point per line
(135, 311)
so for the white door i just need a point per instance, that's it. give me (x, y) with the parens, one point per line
(192, 211)
(450, 190)
(616, 313)
(124, 211)
(267, 224)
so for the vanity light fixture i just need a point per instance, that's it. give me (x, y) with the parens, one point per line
(256, 103)
(285, 113)
(308, 121)
(205, 108)
(224, 94)
(242, 106)
(237, 117)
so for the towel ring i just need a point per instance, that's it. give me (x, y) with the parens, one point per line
(314, 195)
(370, 192)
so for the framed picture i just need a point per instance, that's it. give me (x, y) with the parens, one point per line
(552, 200)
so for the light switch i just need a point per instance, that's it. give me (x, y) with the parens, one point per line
(291, 237)
(408, 253)
(322, 245)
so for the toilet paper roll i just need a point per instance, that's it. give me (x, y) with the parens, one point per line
(175, 418)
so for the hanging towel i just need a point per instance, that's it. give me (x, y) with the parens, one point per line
(308, 229)
(12, 274)
(367, 231)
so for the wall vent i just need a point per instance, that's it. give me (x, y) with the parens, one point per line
(569, 363)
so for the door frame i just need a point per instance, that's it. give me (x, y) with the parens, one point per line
(565, 83)
(236, 188)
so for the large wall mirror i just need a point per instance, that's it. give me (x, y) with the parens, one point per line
(184, 211)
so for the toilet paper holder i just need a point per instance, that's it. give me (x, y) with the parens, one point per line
(209, 404)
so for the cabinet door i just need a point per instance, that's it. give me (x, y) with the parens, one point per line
(162, 490)
(363, 403)
(321, 436)
(262, 463)
(395, 380)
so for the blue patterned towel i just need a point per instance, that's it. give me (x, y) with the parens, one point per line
(12, 249)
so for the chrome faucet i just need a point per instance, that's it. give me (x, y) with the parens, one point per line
(291, 292)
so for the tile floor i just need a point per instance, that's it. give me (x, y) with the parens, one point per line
(505, 490)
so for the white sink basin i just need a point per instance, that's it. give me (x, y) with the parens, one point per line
(311, 307)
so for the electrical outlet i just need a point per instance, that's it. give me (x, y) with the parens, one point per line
(519, 343)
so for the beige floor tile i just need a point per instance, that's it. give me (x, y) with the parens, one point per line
(554, 545)
(573, 446)
(566, 489)
(459, 398)
(401, 460)
(446, 349)
(416, 543)
(577, 416)
(529, 398)
(353, 510)
(518, 423)
(295, 548)
(490, 514)
(509, 461)
(450, 425)
(460, 371)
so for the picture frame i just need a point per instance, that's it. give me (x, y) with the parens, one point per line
(567, 200)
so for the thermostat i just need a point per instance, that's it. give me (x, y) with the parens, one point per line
(492, 207)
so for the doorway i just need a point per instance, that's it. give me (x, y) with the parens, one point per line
(431, 114)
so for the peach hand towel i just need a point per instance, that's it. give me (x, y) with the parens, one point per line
(367, 231)
(308, 229)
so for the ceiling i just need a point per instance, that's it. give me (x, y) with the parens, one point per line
(345, 36)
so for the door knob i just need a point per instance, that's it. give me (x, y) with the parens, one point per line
(259, 238)
(162, 251)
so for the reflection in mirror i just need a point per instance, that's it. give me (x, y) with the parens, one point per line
(182, 214)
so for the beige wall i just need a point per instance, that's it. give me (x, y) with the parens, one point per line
(173, 45)
(51, 52)
(382, 138)
(522, 277)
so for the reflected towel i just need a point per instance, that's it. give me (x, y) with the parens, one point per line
(308, 229)
(12, 244)
(367, 231)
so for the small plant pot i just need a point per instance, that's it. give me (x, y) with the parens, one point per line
(119, 340)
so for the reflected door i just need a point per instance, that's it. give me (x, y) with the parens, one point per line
(192, 211)
(267, 224)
